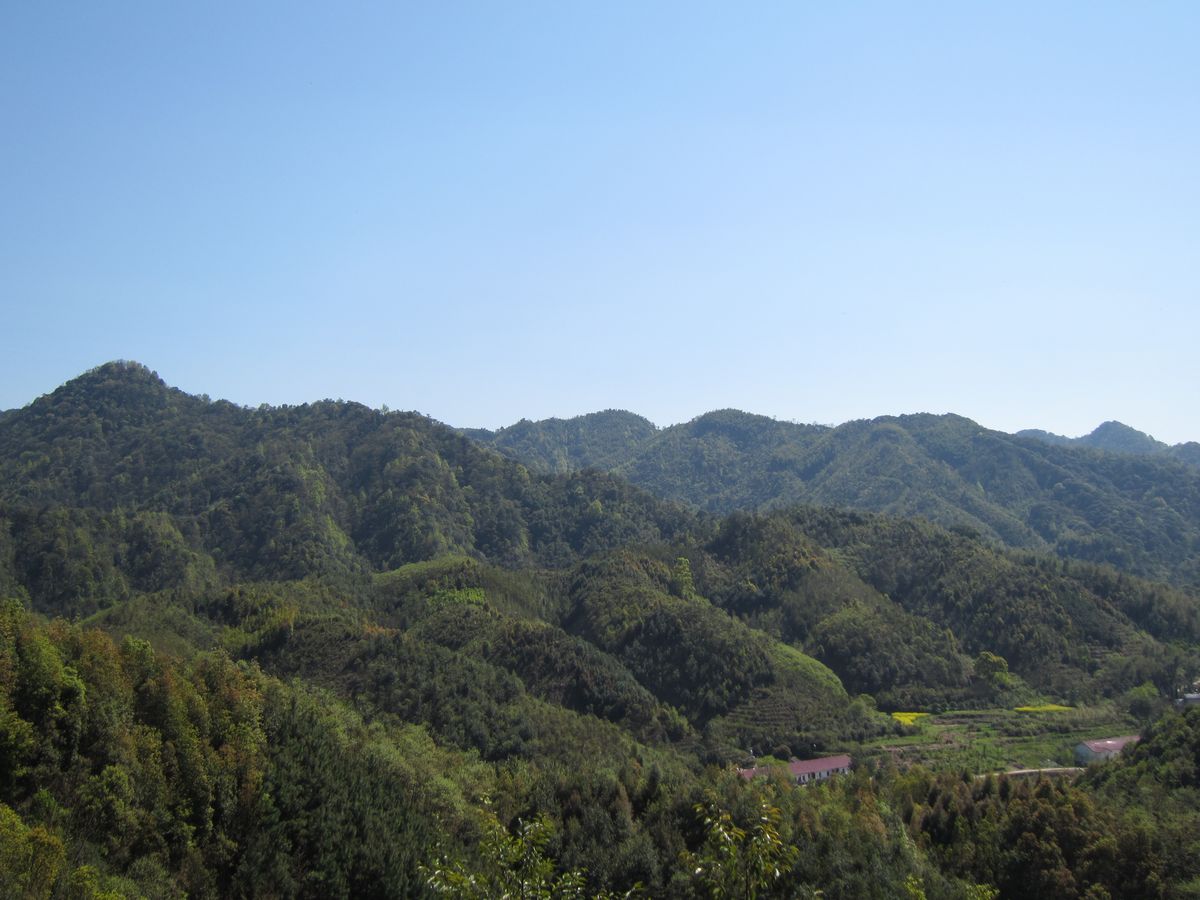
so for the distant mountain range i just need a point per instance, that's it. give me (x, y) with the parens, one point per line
(329, 651)
(1116, 437)
(1115, 497)
(116, 486)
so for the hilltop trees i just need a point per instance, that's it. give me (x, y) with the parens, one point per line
(323, 651)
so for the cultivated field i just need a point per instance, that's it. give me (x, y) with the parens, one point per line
(998, 740)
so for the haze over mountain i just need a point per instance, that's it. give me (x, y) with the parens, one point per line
(1139, 511)
(154, 489)
(433, 622)
(1120, 438)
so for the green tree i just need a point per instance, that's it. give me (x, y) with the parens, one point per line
(740, 862)
(682, 584)
(31, 859)
(993, 669)
(510, 865)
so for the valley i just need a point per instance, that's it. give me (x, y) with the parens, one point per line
(326, 650)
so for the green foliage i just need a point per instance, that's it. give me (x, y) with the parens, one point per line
(682, 584)
(1050, 621)
(1137, 513)
(103, 506)
(992, 672)
(745, 688)
(31, 859)
(115, 484)
(1116, 437)
(1142, 702)
(208, 776)
(594, 441)
(509, 865)
(452, 627)
(1033, 838)
(740, 862)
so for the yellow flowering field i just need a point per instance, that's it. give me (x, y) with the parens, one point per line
(908, 718)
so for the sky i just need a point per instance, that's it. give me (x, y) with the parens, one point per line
(495, 211)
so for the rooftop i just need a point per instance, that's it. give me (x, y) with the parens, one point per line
(1111, 745)
(798, 767)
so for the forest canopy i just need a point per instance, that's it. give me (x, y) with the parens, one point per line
(330, 651)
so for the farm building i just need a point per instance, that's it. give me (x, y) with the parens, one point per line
(804, 771)
(1104, 748)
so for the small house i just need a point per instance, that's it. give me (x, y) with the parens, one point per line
(1188, 700)
(804, 771)
(1104, 748)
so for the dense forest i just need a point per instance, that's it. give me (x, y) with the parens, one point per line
(1120, 438)
(329, 651)
(1137, 509)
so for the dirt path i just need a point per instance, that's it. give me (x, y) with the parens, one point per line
(1053, 772)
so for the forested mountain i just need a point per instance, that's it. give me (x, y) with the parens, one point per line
(128, 773)
(597, 440)
(1116, 437)
(116, 486)
(326, 488)
(1139, 513)
(327, 651)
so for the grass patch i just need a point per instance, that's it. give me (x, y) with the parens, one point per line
(1044, 707)
(992, 740)
(788, 659)
(460, 597)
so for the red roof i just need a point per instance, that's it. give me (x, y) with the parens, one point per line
(798, 767)
(1111, 745)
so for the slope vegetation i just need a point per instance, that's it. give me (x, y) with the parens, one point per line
(323, 651)
(1137, 512)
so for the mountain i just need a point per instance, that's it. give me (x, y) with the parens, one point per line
(595, 440)
(1138, 512)
(325, 651)
(129, 773)
(116, 488)
(320, 489)
(1116, 437)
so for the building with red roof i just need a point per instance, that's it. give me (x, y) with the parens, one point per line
(803, 771)
(1102, 748)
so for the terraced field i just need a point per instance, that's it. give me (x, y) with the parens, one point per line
(999, 740)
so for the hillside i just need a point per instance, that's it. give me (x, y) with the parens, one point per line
(321, 489)
(116, 487)
(1137, 512)
(328, 651)
(128, 773)
(594, 441)
(1117, 437)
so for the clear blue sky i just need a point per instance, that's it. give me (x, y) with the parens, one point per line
(486, 211)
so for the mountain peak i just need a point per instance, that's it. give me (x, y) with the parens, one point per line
(114, 375)
(1119, 437)
(742, 428)
(121, 392)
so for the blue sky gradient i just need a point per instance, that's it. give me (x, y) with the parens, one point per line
(818, 212)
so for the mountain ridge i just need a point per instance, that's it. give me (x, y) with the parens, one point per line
(1117, 437)
(1110, 435)
(324, 650)
(116, 485)
(1137, 511)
